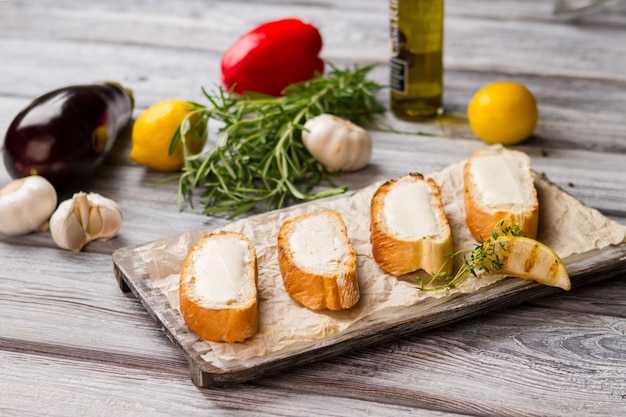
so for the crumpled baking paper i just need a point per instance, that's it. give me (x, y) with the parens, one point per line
(565, 224)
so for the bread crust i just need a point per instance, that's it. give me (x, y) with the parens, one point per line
(399, 256)
(482, 220)
(314, 289)
(230, 324)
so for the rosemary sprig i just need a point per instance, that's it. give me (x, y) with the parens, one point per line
(483, 257)
(259, 157)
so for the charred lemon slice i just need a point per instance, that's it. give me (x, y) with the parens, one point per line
(529, 259)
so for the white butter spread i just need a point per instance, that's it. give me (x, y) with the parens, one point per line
(318, 246)
(220, 270)
(501, 181)
(408, 210)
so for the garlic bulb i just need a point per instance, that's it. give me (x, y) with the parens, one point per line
(338, 144)
(26, 205)
(84, 218)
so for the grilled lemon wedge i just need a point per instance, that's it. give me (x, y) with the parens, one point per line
(505, 252)
(529, 259)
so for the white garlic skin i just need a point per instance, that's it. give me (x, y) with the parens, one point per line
(85, 218)
(336, 143)
(26, 205)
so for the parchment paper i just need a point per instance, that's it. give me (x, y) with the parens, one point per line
(565, 224)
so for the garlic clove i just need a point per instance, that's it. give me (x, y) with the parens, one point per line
(26, 205)
(95, 222)
(109, 215)
(84, 218)
(66, 228)
(81, 207)
(111, 221)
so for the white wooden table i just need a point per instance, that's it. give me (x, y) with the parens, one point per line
(72, 344)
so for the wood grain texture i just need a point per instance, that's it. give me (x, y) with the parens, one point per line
(510, 357)
(131, 391)
(72, 344)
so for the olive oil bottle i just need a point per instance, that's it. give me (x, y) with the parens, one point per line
(416, 64)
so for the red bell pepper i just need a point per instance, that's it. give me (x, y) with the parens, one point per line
(273, 56)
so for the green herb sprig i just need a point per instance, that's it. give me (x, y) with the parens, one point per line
(259, 157)
(484, 257)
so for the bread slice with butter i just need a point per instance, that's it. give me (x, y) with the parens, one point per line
(218, 288)
(409, 228)
(499, 187)
(317, 261)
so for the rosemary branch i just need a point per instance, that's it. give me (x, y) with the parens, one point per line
(259, 157)
(484, 257)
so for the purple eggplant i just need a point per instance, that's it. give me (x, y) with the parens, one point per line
(65, 134)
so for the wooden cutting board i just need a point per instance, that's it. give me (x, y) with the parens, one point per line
(386, 325)
(389, 323)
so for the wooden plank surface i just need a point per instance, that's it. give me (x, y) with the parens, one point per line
(71, 343)
(381, 326)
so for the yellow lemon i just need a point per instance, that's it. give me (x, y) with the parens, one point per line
(153, 132)
(529, 259)
(503, 112)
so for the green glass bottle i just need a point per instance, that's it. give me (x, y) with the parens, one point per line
(416, 64)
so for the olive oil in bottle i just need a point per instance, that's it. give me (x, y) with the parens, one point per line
(416, 64)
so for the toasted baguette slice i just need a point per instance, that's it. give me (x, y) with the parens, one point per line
(317, 261)
(499, 186)
(218, 288)
(409, 228)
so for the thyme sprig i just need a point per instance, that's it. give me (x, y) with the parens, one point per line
(483, 257)
(259, 157)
